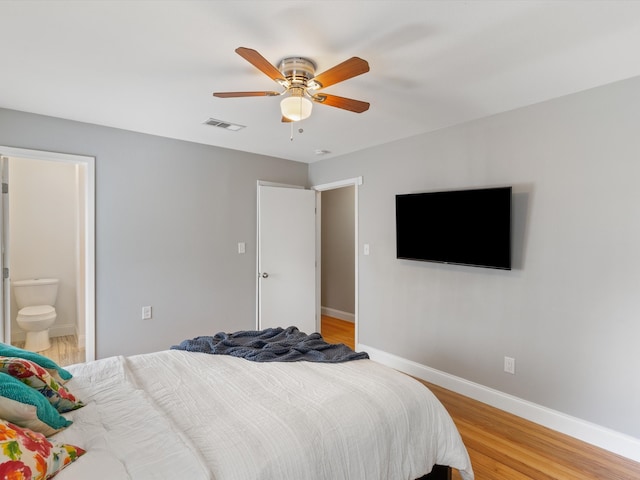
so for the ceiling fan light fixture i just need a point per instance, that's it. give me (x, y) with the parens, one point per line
(296, 108)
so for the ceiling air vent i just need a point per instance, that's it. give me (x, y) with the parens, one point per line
(222, 124)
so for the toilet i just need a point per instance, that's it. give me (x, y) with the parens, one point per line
(36, 299)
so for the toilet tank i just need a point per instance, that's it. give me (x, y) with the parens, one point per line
(35, 291)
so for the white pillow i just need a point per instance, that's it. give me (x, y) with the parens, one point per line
(24, 415)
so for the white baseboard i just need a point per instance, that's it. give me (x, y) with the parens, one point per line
(18, 335)
(588, 432)
(62, 330)
(339, 314)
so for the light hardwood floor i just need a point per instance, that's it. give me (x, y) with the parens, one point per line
(338, 331)
(505, 447)
(63, 351)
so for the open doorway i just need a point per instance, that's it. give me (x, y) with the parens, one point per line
(338, 261)
(48, 235)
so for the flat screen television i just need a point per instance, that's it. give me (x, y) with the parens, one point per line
(463, 227)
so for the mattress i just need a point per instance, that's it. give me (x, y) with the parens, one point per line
(176, 414)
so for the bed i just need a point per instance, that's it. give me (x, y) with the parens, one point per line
(179, 414)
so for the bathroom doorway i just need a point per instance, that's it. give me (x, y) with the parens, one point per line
(48, 232)
(338, 258)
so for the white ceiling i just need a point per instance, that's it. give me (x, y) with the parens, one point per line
(152, 66)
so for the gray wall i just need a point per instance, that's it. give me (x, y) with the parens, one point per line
(569, 312)
(338, 249)
(169, 215)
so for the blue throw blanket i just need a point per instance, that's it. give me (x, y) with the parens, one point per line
(272, 345)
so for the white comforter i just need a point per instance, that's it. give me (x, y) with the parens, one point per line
(191, 416)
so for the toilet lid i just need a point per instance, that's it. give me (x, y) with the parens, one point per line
(36, 310)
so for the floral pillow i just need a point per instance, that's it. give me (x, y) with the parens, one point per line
(38, 378)
(29, 455)
(60, 374)
(13, 389)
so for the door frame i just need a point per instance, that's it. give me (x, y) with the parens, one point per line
(89, 237)
(355, 182)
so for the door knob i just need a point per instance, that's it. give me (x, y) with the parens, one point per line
(265, 275)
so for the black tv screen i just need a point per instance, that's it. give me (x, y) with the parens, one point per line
(463, 227)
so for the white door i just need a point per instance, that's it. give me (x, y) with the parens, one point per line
(286, 258)
(5, 303)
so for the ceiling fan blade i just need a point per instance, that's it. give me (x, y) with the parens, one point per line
(261, 63)
(348, 69)
(245, 94)
(341, 102)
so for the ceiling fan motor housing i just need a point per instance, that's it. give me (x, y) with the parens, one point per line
(297, 70)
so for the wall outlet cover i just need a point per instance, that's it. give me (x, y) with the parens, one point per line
(510, 365)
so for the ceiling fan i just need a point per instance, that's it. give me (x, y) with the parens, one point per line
(298, 78)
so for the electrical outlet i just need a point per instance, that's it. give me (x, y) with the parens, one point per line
(510, 365)
(242, 248)
(146, 313)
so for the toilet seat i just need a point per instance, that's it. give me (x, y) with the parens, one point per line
(37, 312)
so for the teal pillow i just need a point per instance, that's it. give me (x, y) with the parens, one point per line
(60, 373)
(14, 389)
